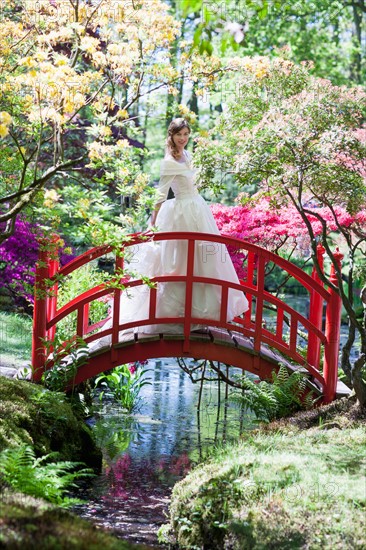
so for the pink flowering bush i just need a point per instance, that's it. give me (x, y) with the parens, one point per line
(259, 222)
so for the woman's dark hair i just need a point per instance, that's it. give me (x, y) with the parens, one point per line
(176, 125)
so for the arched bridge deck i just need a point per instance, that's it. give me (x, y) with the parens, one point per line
(247, 342)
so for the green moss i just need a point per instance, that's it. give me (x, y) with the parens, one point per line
(280, 487)
(33, 524)
(29, 414)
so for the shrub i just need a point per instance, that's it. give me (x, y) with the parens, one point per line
(18, 255)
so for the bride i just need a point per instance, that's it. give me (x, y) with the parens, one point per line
(188, 211)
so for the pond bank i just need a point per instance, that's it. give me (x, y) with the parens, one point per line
(297, 483)
(147, 452)
(31, 415)
(28, 523)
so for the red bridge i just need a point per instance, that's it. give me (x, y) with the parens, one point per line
(248, 342)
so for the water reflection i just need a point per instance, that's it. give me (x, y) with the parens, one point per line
(147, 453)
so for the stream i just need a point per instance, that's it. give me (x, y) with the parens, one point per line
(146, 453)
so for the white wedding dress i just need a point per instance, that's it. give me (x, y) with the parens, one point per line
(188, 211)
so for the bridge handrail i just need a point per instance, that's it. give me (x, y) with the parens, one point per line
(140, 238)
(47, 316)
(102, 290)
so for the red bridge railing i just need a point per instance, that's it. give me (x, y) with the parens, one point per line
(251, 325)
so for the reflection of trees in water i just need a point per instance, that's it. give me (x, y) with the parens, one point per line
(169, 427)
(114, 434)
(206, 373)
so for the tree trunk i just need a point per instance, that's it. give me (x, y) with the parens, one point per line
(358, 381)
(193, 102)
(357, 56)
(346, 351)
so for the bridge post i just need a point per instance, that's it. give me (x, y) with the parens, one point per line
(53, 263)
(332, 333)
(316, 313)
(40, 311)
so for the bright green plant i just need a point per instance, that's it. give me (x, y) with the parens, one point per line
(65, 363)
(124, 384)
(282, 397)
(27, 474)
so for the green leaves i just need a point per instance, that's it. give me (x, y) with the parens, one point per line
(124, 384)
(189, 6)
(27, 474)
(277, 399)
(65, 360)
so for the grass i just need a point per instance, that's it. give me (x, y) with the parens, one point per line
(15, 338)
(281, 487)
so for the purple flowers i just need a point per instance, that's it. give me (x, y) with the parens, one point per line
(18, 257)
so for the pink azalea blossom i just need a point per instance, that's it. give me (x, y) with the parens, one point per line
(259, 222)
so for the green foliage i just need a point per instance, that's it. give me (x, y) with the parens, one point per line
(360, 271)
(79, 281)
(283, 396)
(94, 212)
(288, 131)
(321, 31)
(33, 476)
(65, 361)
(32, 415)
(123, 383)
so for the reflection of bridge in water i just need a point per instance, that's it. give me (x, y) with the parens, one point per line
(245, 342)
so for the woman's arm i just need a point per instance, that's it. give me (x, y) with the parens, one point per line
(155, 213)
(163, 190)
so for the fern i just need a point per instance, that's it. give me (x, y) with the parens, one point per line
(24, 472)
(279, 398)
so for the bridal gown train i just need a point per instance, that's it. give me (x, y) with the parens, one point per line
(188, 211)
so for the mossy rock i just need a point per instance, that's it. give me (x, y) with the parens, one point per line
(284, 487)
(30, 414)
(32, 524)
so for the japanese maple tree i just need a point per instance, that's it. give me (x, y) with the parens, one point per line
(301, 140)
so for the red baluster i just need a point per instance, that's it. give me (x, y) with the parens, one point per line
(316, 313)
(53, 263)
(259, 303)
(117, 302)
(189, 293)
(40, 311)
(332, 333)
